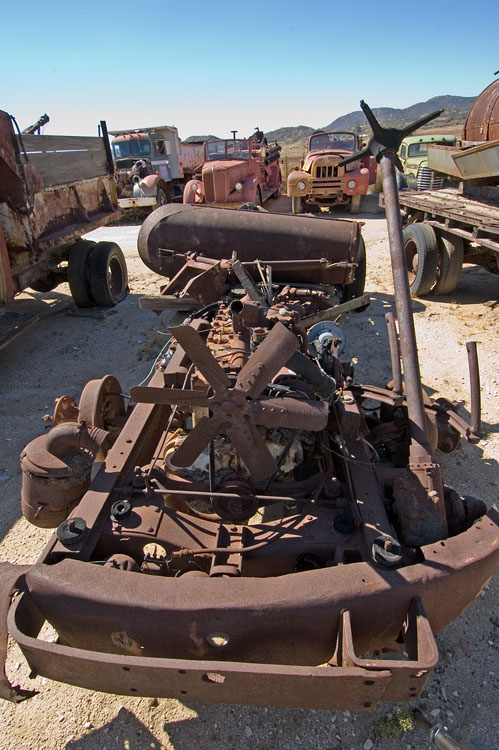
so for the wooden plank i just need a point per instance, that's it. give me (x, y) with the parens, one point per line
(168, 302)
(62, 159)
(59, 143)
(61, 167)
(454, 206)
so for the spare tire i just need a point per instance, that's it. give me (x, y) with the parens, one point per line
(108, 274)
(421, 253)
(78, 272)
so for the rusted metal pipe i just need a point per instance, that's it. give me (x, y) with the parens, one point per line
(393, 341)
(420, 448)
(71, 436)
(476, 405)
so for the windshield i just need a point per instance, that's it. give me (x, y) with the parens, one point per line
(134, 147)
(332, 141)
(227, 150)
(421, 149)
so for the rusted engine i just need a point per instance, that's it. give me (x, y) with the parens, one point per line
(259, 527)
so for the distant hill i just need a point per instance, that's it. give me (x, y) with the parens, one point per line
(200, 138)
(290, 134)
(456, 110)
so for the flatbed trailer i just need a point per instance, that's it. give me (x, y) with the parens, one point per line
(446, 228)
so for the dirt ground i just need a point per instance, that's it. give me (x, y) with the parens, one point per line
(62, 352)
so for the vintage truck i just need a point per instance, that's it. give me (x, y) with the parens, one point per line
(235, 172)
(413, 155)
(152, 165)
(321, 182)
(54, 189)
(449, 227)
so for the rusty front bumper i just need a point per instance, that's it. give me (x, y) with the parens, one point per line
(273, 632)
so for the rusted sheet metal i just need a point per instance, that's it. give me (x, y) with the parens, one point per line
(177, 230)
(177, 616)
(482, 123)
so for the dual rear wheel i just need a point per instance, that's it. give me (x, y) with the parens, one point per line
(97, 274)
(434, 260)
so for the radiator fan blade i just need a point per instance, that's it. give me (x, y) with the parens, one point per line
(293, 413)
(196, 441)
(273, 353)
(251, 447)
(195, 347)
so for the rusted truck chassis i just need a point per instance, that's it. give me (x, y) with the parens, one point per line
(53, 189)
(260, 525)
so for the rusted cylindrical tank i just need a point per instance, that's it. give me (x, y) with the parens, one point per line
(482, 123)
(218, 232)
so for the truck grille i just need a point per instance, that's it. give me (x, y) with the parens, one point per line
(321, 172)
(428, 180)
(325, 186)
(214, 186)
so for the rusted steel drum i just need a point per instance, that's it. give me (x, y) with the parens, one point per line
(482, 123)
(217, 233)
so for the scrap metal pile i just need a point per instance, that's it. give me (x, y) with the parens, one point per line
(261, 527)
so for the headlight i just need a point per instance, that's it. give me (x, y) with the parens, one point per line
(351, 184)
(195, 187)
(302, 185)
(238, 186)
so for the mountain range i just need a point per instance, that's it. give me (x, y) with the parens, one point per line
(455, 108)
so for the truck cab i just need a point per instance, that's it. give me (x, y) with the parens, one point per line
(413, 154)
(321, 182)
(151, 165)
(236, 171)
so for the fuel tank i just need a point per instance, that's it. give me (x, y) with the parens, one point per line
(172, 231)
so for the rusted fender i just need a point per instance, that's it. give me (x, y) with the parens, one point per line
(217, 233)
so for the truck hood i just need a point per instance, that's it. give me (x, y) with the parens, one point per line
(326, 158)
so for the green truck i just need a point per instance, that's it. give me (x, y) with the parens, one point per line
(413, 154)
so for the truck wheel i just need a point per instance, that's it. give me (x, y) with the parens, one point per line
(421, 253)
(356, 288)
(161, 197)
(78, 273)
(258, 197)
(355, 204)
(277, 193)
(296, 204)
(450, 263)
(108, 274)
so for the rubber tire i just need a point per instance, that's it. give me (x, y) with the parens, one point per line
(450, 262)
(108, 274)
(420, 240)
(355, 204)
(296, 206)
(356, 288)
(161, 197)
(277, 193)
(258, 197)
(79, 274)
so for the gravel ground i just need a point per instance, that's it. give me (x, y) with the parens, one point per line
(61, 353)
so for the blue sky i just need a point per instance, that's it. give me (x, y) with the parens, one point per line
(214, 67)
